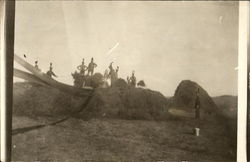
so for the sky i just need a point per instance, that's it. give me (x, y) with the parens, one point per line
(164, 42)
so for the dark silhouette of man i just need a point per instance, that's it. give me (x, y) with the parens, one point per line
(36, 65)
(82, 68)
(91, 67)
(116, 72)
(133, 79)
(112, 74)
(50, 73)
(197, 105)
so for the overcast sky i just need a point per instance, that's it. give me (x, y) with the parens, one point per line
(164, 42)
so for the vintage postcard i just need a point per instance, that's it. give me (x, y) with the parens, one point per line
(125, 81)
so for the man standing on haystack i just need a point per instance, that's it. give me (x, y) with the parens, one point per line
(133, 79)
(82, 68)
(112, 74)
(116, 72)
(197, 105)
(91, 67)
(36, 66)
(50, 73)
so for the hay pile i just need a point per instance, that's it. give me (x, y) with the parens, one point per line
(118, 101)
(34, 100)
(123, 101)
(185, 95)
(94, 81)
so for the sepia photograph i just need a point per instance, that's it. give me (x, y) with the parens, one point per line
(125, 81)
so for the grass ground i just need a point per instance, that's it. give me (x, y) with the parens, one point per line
(121, 140)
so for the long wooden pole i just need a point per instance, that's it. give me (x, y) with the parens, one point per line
(7, 54)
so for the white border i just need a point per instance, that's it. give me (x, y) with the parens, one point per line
(242, 81)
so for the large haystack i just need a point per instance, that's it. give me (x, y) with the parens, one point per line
(118, 101)
(123, 101)
(185, 95)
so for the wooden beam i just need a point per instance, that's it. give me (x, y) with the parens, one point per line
(7, 54)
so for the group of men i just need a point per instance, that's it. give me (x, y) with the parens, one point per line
(50, 72)
(112, 73)
(83, 68)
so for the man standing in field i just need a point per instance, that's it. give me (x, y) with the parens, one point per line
(197, 105)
